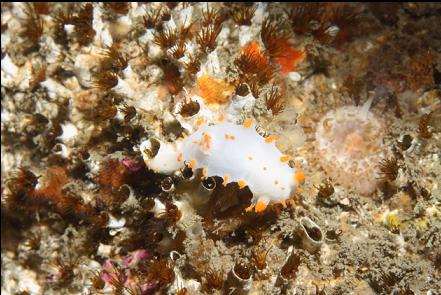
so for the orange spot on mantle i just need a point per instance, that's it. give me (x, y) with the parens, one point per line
(299, 177)
(248, 122)
(214, 91)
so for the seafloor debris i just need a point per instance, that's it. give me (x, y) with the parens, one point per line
(220, 148)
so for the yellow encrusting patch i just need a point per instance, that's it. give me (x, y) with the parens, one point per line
(180, 157)
(248, 122)
(192, 164)
(215, 91)
(204, 172)
(270, 138)
(241, 183)
(226, 178)
(299, 177)
(221, 118)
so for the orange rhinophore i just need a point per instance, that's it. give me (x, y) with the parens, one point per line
(260, 206)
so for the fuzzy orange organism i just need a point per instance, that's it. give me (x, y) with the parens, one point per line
(113, 175)
(214, 91)
(291, 57)
(55, 179)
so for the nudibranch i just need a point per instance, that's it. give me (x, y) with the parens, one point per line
(237, 153)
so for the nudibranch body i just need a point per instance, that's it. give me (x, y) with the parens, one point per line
(237, 153)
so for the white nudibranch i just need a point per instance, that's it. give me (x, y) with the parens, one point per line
(237, 153)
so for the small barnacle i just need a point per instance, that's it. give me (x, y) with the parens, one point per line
(184, 32)
(165, 38)
(117, 7)
(423, 126)
(214, 279)
(38, 74)
(213, 17)
(243, 15)
(34, 241)
(20, 186)
(253, 67)
(171, 214)
(60, 20)
(178, 51)
(437, 260)
(181, 291)
(115, 58)
(405, 142)
(325, 34)
(128, 111)
(272, 33)
(274, 100)
(258, 257)
(41, 7)
(189, 108)
(193, 65)
(117, 279)
(84, 32)
(353, 87)
(151, 19)
(165, 15)
(392, 101)
(333, 235)
(105, 80)
(393, 222)
(172, 76)
(343, 15)
(389, 168)
(206, 38)
(32, 27)
(161, 272)
(172, 5)
(291, 266)
(325, 190)
(64, 273)
(242, 270)
(97, 283)
(302, 14)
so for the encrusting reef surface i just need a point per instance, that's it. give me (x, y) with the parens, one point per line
(102, 191)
